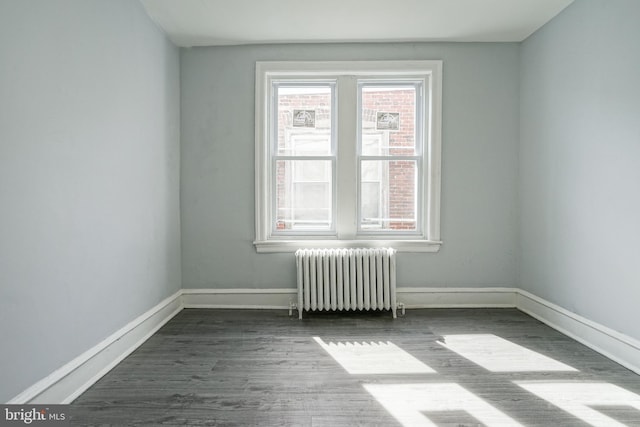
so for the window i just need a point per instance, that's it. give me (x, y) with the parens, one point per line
(348, 154)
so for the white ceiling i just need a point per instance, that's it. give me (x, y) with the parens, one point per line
(231, 22)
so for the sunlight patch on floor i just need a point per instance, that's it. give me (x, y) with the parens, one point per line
(373, 358)
(577, 397)
(500, 355)
(410, 404)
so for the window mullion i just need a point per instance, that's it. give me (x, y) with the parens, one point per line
(347, 167)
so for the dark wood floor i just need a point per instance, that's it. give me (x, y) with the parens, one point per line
(264, 368)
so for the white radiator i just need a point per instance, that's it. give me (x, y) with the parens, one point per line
(346, 279)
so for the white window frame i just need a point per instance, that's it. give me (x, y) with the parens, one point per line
(347, 74)
(419, 142)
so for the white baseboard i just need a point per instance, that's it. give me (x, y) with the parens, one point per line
(457, 297)
(239, 298)
(411, 297)
(616, 346)
(72, 379)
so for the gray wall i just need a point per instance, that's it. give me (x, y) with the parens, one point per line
(579, 162)
(479, 200)
(89, 170)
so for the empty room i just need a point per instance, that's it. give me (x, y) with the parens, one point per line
(340, 213)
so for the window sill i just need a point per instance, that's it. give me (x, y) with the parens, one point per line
(271, 246)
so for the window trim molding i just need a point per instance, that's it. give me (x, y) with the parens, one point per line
(267, 70)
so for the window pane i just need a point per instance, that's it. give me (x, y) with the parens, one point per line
(371, 171)
(303, 120)
(371, 205)
(388, 202)
(303, 195)
(310, 202)
(388, 115)
(312, 171)
(373, 143)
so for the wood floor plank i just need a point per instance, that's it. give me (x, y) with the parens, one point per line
(264, 368)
